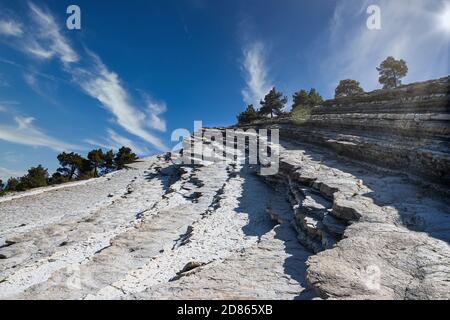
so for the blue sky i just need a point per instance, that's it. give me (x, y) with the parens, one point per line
(137, 70)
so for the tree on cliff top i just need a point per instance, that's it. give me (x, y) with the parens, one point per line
(108, 162)
(124, 157)
(348, 88)
(248, 115)
(35, 178)
(304, 99)
(273, 103)
(300, 99)
(391, 71)
(97, 159)
(71, 163)
(12, 184)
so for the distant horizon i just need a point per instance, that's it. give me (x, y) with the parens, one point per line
(133, 73)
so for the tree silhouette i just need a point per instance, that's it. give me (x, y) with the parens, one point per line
(97, 158)
(248, 115)
(108, 162)
(348, 88)
(12, 184)
(35, 178)
(300, 99)
(304, 99)
(272, 104)
(71, 164)
(391, 71)
(123, 157)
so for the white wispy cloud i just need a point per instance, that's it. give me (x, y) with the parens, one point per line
(409, 30)
(51, 41)
(5, 174)
(116, 141)
(154, 111)
(22, 131)
(121, 141)
(255, 71)
(10, 28)
(31, 80)
(45, 40)
(105, 86)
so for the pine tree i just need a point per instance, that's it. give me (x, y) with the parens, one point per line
(108, 162)
(300, 99)
(12, 184)
(2, 188)
(391, 71)
(123, 157)
(314, 98)
(248, 115)
(304, 99)
(348, 88)
(272, 104)
(57, 178)
(96, 157)
(71, 164)
(35, 178)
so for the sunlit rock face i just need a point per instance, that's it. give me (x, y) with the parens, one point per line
(357, 210)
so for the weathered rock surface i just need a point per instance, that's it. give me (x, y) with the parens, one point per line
(169, 231)
(325, 226)
(406, 129)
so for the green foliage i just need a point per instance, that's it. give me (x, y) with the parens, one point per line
(73, 167)
(35, 178)
(123, 157)
(71, 164)
(391, 71)
(248, 116)
(108, 162)
(2, 188)
(97, 159)
(314, 97)
(304, 99)
(348, 88)
(301, 114)
(273, 104)
(57, 178)
(300, 98)
(12, 184)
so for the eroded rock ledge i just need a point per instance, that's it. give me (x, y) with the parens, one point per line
(405, 129)
(378, 233)
(324, 226)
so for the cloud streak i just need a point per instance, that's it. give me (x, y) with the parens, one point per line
(116, 141)
(45, 40)
(105, 86)
(5, 174)
(10, 28)
(25, 133)
(49, 34)
(255, 72)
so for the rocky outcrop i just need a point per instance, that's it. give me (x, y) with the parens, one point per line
(406, 129)
(347, 168)
(169, 231)
(376, 235)
(340, 219)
